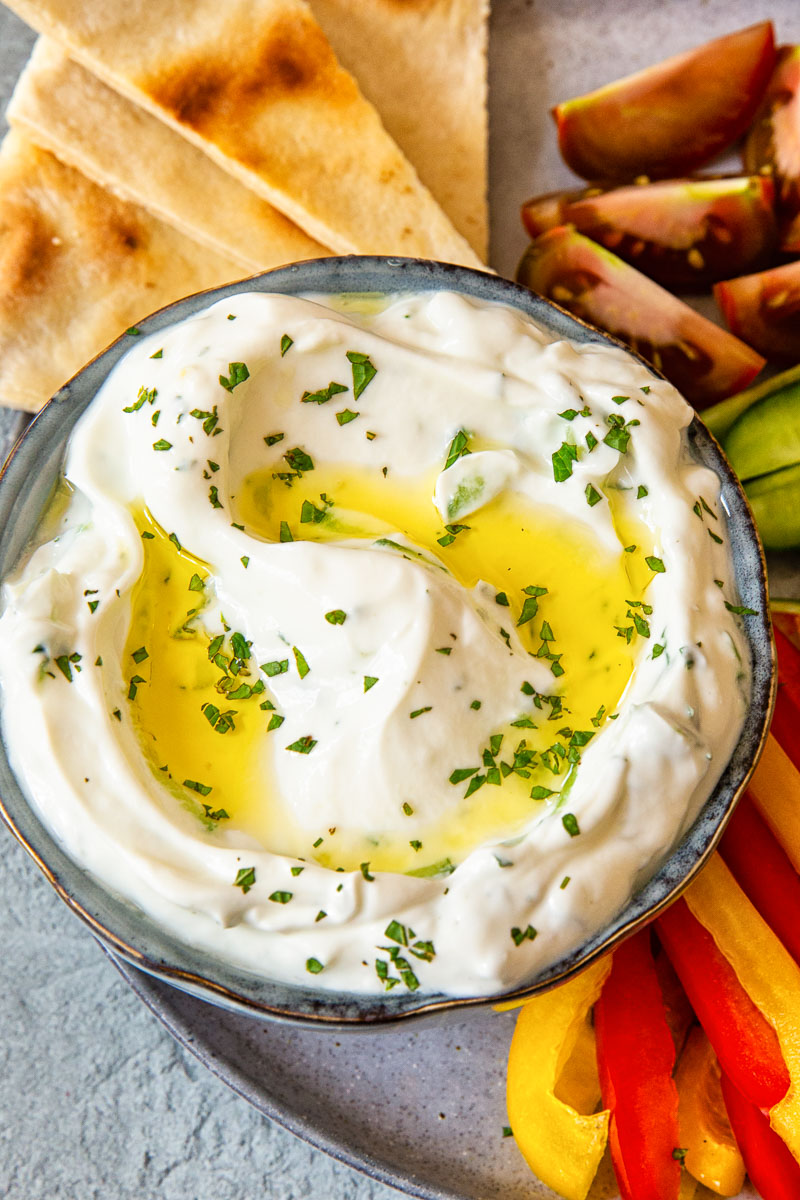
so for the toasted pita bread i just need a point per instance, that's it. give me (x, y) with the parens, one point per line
(256, 85)
(422, 63)
(77, 268)
(65, 109)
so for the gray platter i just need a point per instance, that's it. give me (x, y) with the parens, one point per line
(374, 1101)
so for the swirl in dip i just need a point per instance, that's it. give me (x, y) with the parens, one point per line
(373, 642)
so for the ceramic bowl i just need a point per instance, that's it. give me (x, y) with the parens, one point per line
(25, 487)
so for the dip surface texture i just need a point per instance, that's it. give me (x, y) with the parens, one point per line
(375, 642)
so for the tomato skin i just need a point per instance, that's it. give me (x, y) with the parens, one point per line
(684, 233)
(702, 360)
(672, 117)
(773, 143)
(764, 310)
(541, 213)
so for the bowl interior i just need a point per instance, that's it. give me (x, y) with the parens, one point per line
(25, 487)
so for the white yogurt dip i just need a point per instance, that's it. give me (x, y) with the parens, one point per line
(376, 643)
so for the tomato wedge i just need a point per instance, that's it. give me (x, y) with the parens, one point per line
(684, 233)
(703, 361)
(773, 143)
(764, 310)
(672, 117)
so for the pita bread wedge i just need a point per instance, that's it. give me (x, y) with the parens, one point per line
(77, 268)
(257, 86)
(65, 109)
(422, 63)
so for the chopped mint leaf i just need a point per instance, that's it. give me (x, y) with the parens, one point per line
(286, 342)
(237, 373)
(502, 598)
(655, 564)
(286, 533)
(303, 745)
(458, 448)
(202, 788)
(522, 935)
(462, 773)
(370, 681)
(314, 966)
(346, 416)
(196, 584)
(272, 439)
(419, 711)
(592, 495)
(570, 823)
(245, 878)
(741, 610)
(281, 897)
(363, 371)
(298, 460)
(563, 459)
(302, 666)
(276, 667)
(162, 444)
(337, 616)
(324, 395)
(641, 492)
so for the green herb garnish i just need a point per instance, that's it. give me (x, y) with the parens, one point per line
(237, 373)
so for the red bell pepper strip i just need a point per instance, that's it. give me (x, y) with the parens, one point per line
(762, 869)
(773, 1170)
(786, 718)
(635, 1058)
(744, 1042)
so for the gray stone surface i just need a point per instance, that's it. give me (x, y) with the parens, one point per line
(97, 1102)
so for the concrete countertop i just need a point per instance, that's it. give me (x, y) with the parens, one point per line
(97, 1101)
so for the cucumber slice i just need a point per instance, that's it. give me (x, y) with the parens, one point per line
(766, 437)
(720, 417)
(775, 501)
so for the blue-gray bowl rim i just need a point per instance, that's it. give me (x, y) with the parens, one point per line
(25, 484)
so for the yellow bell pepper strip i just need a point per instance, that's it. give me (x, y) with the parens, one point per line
(578, 1084)
(766, 971)
(635, 1056)
(775, 787)
(712, 1155)
(561, 1145)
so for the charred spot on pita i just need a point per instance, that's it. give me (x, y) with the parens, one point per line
(291, 57)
